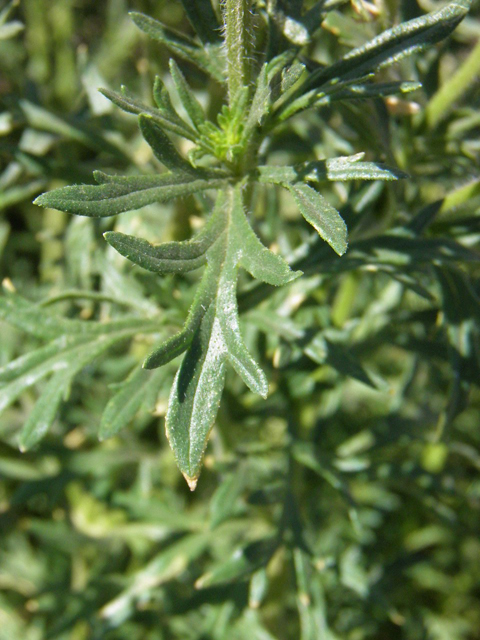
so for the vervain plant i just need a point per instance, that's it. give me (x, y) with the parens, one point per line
(259, 53)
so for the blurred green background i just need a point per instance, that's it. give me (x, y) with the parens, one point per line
(347, 505)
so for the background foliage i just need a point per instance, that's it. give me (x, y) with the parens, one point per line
(344, 506)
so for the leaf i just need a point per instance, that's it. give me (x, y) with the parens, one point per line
(116, 194)
(76, 353)
(186, 96)
(211, 336)
(206, 58)
(162, 146)
(225, 502)
(291, 75)
(164, 102)
(39, 118)
(11, 29)
(397, 246)
(333, 170)
(203, 19)
(16, 194)
(165, 116)
(40, 323)
(242, 564)
(43, 414)
(322, 216)
(127, 401)
(341, 358)
(367, 90)
(166, 565)
(259, 261)
(260, 103)
(393, 45)
(169, 257)
(195, 398)
(270, 322)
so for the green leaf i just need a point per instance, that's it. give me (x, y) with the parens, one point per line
(341, 358)
(28, 361)
(225, 502)
(116, 194)
(186, 96)
(169, 563)
(242, 564)
(11, 29)
(209, 58)
(212, 336)
(39, 118)
(41, 323)
(255, 258)
(162, 146)
(165, 116)
(324, 218)
(169, 257)
(393, 45)
(291, 75)
(69, 361)
(334, 170)
(43, 414)
(195, 397)
(128, 400)
(164, 103)
(203, 19)
(260, 103)
(368, 90)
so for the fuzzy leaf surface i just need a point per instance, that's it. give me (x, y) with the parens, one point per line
(324, 218)
(212, 337)
(339, 169)
(169, 257)
(186, 96)
(162, 147)
(207, 58)
(394, 44)
(118, 194)
(165, 115)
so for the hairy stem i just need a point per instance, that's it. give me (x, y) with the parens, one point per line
(238, 25)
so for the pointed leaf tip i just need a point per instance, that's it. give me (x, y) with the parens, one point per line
(40, 201)
(192, 482)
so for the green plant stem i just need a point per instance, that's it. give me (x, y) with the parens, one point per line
(238, 26)
(453, 88)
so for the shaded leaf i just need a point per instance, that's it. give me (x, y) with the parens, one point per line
(186, 96)
(128, 400)
(162, 146)
(44, 412)
(242, 564)
(206, 58)
(203, 19)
